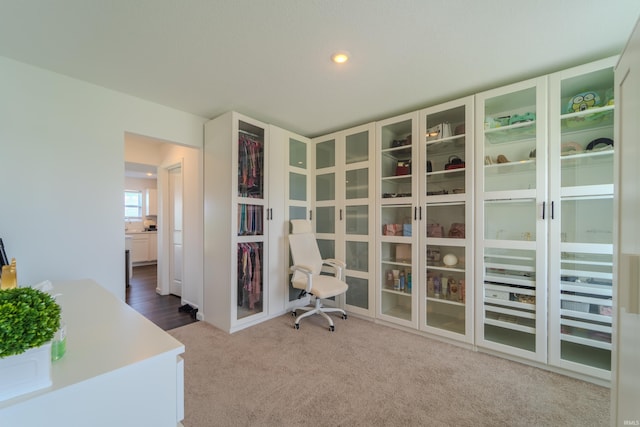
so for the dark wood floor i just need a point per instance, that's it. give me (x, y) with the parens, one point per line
(160, 309)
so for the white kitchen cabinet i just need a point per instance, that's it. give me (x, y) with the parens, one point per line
(581, 161)
(244, 223)
(139, 247)
(344, 214)
(512, 220)
(151, 201)
(153, 246)
(144, 247)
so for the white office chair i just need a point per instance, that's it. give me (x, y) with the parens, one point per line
(306, 273)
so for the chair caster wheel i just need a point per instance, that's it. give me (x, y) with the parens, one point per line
(344, 316)
(293, 313)
(296, 326)
(332, 328)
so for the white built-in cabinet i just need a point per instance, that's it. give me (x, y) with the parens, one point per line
(424, 225)
(512, 220)
(295, 153)
(487, 220)
(397, 266)
(581, 177)
(343, 213)
(445, 213)
(544, 210)
(237, 221)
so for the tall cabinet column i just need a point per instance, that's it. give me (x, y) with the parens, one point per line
(344, 212)
(237, 214)
(512, 218)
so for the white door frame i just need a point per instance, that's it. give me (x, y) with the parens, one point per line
(164, 228)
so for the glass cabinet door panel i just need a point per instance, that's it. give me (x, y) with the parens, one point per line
(250, 161)
(326, 219)
(325, 187)
(446, 287)
(396, 259)
(358, 292)
(510, 220)
(510, 141)
(586, 308)
(326, 154)
(446, 220)
(587, 169)
(357, 220)
(250, 220)
(297, 212)
(357, 256)
(357, 147)
(357, 184)
(297, 153)
(445, 150)
(587, 220)
(396, 220)
(297, 186)
(446, 316)
(396, 159)
(250, 274)
(509, 300)
(327, 248)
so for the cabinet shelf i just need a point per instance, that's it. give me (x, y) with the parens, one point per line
(398, 153)
(585, 316)
(445, 301)
(586, 341)
(436, 142)
(587, 119)
(445, 268)
(396, 292)
(511, 133)
(445, 198)
(391, 262)
(509, 325)
(587, 288)
(446, 241)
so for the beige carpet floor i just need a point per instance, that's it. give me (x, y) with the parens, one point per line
(365, 374)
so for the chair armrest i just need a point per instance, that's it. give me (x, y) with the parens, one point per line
(337, 265)
(307, 271)
(302, 268)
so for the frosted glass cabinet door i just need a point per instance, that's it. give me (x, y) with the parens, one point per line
(298, 193)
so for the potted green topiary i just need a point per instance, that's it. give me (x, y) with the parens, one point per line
(29, 318)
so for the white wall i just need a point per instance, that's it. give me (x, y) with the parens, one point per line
(62, 171)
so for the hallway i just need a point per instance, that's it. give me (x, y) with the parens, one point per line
(160, 309)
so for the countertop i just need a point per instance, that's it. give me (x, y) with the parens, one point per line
(104, 335)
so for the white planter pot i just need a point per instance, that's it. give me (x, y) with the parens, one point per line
(26, 372)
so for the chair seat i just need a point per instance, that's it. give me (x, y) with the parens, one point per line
(323, 286)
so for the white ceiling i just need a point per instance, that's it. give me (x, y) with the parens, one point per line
(270, 59)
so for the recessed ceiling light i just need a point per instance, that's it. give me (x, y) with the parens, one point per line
(340, 57)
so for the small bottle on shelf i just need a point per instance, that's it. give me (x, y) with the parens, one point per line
(402, 280)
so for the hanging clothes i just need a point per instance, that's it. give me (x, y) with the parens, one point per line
(249, 274)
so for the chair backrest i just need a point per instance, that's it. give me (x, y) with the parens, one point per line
(304, 247)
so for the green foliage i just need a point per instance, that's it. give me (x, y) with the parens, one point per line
(28, 319)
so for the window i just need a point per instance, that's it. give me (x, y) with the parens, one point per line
(132, 204)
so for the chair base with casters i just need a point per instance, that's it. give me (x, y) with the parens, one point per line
(318, 308)
(307, 270)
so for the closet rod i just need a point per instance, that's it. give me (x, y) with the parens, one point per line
(249, 133)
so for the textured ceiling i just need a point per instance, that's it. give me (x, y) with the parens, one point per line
(270, 59)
